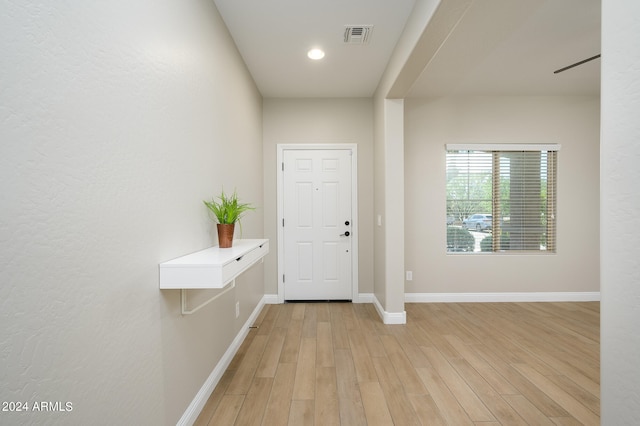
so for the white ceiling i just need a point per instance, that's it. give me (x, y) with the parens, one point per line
(273, 37)
(507, 47)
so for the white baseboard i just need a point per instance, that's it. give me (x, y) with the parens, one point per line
(193, 410)
(389, 317)
(502, 297)
(364, 298)
(270, 299)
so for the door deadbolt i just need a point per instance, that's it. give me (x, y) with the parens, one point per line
(347, 223)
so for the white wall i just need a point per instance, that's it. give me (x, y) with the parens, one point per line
(316, 121)
(379, 202)
(572, 122)
(620, 157)
(392, 214)
(404, 66)
(116, 120)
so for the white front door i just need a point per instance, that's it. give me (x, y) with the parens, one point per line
(317, 224)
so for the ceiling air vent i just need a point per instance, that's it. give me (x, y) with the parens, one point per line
(357, 34)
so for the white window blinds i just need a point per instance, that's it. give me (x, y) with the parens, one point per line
(501, 198)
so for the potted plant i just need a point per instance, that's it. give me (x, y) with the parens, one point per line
(227, 210)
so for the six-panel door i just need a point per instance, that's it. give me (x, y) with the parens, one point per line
(317, 224)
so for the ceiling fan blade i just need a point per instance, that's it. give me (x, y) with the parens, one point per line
(576, 64)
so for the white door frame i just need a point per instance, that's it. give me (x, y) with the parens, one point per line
(354, 210)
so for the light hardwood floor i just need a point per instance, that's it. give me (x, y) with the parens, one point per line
(451, 364)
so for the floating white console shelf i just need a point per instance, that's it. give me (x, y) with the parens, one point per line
(212, 268)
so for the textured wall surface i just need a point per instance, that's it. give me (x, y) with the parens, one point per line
(116, 120)
(620, 305)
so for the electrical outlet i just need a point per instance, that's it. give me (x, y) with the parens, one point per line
(409, 275)
(237, 309)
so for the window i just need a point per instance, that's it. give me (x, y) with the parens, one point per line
(501, 198)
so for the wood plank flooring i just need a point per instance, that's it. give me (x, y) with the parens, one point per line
(451, 364)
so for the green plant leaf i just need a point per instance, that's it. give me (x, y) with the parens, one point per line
(228, 209)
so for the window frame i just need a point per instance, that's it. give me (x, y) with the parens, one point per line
(551, 194)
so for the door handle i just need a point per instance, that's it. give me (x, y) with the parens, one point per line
(346, 234)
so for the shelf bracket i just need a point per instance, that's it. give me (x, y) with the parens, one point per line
(183, 298)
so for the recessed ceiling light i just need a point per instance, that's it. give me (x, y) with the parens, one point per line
(315, 54)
